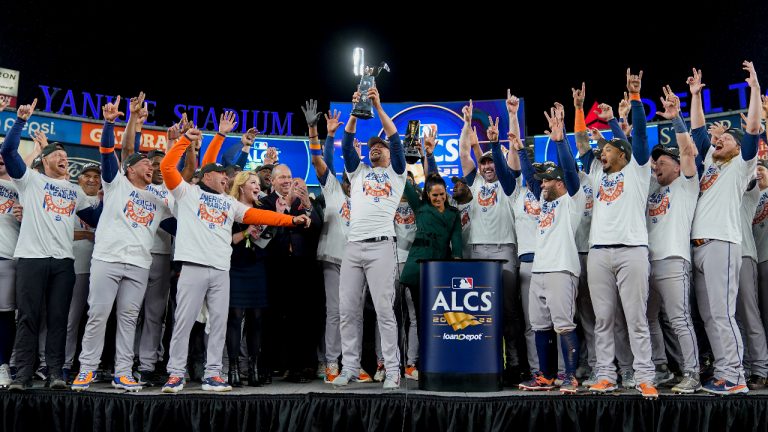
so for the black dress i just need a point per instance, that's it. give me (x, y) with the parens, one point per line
(247, 276)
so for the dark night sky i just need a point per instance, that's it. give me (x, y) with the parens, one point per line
(273, 62)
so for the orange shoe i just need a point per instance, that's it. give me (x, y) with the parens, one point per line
(603, 386)
(331, 372)
(538, 382)
(411, 372)
(363, 377)
(648, 390)
(83, 381)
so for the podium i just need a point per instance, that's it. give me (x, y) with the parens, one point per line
(461, 328)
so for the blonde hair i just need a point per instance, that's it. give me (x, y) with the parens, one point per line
(240, 179)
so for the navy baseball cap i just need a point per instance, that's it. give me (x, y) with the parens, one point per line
(212, 167)
(377, 140)
(133, 160)
(549, 171)
(90, 167)
(670, 151)
(153, 153)
(622, 145)
(52, 147)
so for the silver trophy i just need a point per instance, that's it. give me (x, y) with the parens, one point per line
(363, 109)
(412, 143)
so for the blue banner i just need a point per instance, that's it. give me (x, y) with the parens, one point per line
(56, 129)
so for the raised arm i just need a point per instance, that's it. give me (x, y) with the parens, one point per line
(640, 150)
(698, 123)
(171, 176)
(41, 141)
(750, 142)
(396, 151)
(109, 167)
(351, 158)
(467, 164)
(513, 105)
(430, 142)
(580, 123)
(312, 116)
(534, 185)
(138, 116)
(564, 156)
(412, 196)
(688, 152)
(255, 216)
(226, 124)
(505, 174)
(14, 164)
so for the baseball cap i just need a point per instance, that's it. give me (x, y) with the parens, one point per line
(212, 167)
(90, 167)
(549, 172)
(622, 145)
(265, 167)
(133, 160)
(486, 155)
(737, 134)
(456, 179)
(37, 162)
(52, 147)
(670, 151)
(377, 140)
(763, 163)
(153, 153)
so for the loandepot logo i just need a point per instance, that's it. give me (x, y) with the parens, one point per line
(456, 303)
(463, 337)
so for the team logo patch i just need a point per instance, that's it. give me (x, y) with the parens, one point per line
(377, 185)
(139, 210)
(611, 189)
(658, 203)
(762, 210)
(709, 178)
(531, 205)
(487, 196)
(404, 215)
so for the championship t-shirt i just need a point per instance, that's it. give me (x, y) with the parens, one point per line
(333, 236)
(748, 207)
(760, 226)
(582, 232)
(405, 230)
(83, 249)
(376, 195)
(163, 243)
(9, 226)
(556, 234)
(491, 213)
(526, 210)
(669, 216)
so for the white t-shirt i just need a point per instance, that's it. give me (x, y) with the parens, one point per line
(128, 223)
(83, 249)
(526, 210)
(618, 212)
(50, 208)
(720, 191)
(582, 232)
(333, 236)
(204, 226)
(748, 207)
(405, 230)
(376, 194)
(669, 216)
(466, 226)
(9, 226)
(760, 226)
(491, 213)
(163, 243)
(556, 239)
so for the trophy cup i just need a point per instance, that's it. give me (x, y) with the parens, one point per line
(412, 143)
(363, 109)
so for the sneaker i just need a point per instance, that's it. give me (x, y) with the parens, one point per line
(723, 387)
(20, 384)
(569, 385)
(648, 390)
(363, 377)
(663, 375)
(173, 385)
(392, 381)
(343, 379)
(689, 385)
(148, 378)
(537, 383)
(55, 382)
(411, 372)
(322, 370)
(559, 379)
(83, 381)
(5, 375)
(125, 382)
(603, 386)
(756, 382)
(628, 379)
(216, 384)
(42, 373)
(331, 372)
(592, 380)
(381, 372)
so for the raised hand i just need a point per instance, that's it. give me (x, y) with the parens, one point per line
(356, 97)
(430, 141)
(515, 142)
(555, 121)
(227, 122)
(25, 111)
(270, 156)
(373, 95)
(249, 136)
(111, 110)
(358, 148)
(513, 103)
(765, 106)
(184, 124)
(40, 139)
(716, 129)
(473, 140)
(310, 113)
(194, 134)
(694, 82)
(142, 115)
(560, 111)
(136, 103)
(604, 112)
(4, 102)
(671, 104)
(579, 96)
(634, 81)
(493, 130)
(624, 106)
(332, 122)
(466, 112)
(595, 134)
(174, 132)
(752, 79)
(302, 220)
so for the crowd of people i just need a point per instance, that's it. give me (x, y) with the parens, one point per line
(646, 267)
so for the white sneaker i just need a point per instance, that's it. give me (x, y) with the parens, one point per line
(344, 378)
(381, 372)
(5, 375)
(392, 382)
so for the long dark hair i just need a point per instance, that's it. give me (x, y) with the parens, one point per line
(431, 181)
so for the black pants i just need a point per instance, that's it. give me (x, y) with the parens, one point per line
(41, 280)
(252, 333)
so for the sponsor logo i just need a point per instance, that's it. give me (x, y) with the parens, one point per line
(709, 178)
(76, 165)
(461, 306)
(462, 283)
(463, 337)
(611, 188)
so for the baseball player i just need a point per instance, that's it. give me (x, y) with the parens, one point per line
(555, 272)
(716, 232)
(203, 242)
(9, 233)
(671, 205)
(371, 253)
(760, 231)
(493, 231)
(618, 256)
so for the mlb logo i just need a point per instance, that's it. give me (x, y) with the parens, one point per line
(425, 129)
(462, 283)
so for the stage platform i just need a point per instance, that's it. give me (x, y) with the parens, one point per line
(366, 407)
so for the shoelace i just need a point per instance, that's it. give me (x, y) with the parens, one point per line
(217, 379)
(174, 380)
(82, 376)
